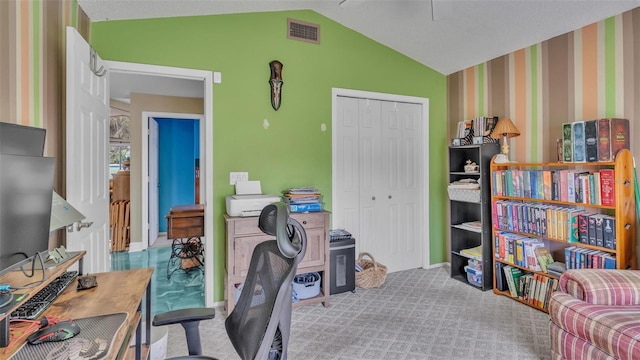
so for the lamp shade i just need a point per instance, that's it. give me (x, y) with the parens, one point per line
(505, 128)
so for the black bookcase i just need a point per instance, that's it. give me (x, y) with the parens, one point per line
(469, 206)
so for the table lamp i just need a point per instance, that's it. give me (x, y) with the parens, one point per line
(505, 129)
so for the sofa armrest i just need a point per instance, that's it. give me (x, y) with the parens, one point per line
(602, 287)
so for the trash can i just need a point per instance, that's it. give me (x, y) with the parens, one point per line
(343, 265)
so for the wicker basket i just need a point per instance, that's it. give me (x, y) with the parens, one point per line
(373, 273)
(467, 195)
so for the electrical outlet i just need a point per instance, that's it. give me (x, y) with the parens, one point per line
(234, 177)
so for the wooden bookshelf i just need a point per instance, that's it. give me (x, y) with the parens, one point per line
(623, 212)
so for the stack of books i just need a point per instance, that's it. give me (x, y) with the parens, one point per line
(303, 199)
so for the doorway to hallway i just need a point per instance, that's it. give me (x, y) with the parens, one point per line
(173, 154)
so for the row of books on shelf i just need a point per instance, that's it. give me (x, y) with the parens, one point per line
(561, 185)
(532, 288)
(582, 258)
(530, 253)
(522, 251)
(555, 222)
(594, 140)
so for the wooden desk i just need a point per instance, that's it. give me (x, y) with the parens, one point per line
(117, 292)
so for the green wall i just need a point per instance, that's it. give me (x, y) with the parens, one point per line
(293, 151)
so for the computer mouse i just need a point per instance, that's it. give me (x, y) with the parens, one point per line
(60, 331)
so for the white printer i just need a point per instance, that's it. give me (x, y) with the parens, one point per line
(248, 200)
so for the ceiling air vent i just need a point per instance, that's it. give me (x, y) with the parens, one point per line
(303, 31)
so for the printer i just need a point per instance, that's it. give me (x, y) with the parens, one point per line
(248, 200)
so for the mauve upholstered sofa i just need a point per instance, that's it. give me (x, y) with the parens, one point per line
(595, 314)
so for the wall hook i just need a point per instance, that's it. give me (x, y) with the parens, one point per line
(93, 60)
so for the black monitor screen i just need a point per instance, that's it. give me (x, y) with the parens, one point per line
(21, 140)
(26, 190)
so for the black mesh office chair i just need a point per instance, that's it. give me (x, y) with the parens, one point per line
(260, 323)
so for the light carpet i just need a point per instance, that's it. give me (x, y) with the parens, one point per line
(416, 314)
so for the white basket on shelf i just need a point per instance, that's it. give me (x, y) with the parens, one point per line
(469, 195)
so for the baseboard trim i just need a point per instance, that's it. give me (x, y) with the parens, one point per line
(135, 246)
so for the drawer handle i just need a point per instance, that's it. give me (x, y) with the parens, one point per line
(304, 222)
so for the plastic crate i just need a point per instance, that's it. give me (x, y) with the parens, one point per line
(306, 285)
(475, 264)
(474, 276)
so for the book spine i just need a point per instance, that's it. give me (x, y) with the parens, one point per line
(592, 189)
(609, 232)
(546, 179)
(555, 185)
(571, 191)
(607, 187)
(564, 195)
(577, 131)
(567, 143)
(583, 228)
(619, 135)
(596, 188)
(591, 229)
(591, 140)
(604, 140)
(600, 230)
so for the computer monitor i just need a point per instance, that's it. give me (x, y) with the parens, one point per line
(26, 187)
(21, 140)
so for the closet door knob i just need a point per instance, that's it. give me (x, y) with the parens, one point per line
(389, 196)
(373, 198)
(304, 222)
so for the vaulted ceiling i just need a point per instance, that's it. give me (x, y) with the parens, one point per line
(445, 35)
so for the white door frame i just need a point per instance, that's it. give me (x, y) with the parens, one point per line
(335, 92)
(206, 133)
(146, 117)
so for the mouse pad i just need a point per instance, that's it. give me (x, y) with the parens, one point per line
(93, 342)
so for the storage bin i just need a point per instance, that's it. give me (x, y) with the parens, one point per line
(475, 264)
(307, 285)
(473, 276)
(464, 195)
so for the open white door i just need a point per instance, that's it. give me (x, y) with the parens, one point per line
(87, 170)
(153, 181)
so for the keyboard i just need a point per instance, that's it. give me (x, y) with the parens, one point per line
(38, 303)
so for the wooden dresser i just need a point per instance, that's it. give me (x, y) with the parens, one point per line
(243, 235)
(185, 221)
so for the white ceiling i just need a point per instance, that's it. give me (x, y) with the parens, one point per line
(445, 35)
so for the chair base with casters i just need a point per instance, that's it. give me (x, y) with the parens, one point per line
(260, 324)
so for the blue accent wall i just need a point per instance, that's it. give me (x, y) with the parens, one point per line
(178, 147)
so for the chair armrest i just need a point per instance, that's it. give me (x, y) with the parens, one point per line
(183, 315)
(602, 287)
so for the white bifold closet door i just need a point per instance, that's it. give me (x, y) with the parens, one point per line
(379, 186)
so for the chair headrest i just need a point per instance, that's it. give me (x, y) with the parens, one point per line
(274, 220)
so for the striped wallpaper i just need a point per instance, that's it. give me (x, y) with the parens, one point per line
(598, 70)
(27, 44)
(32, 67)
(584, 67)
